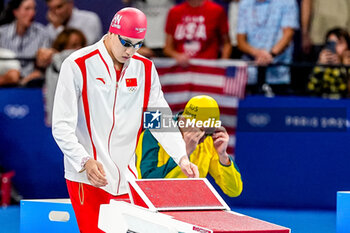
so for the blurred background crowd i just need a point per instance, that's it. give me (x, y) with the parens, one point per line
(291, 46)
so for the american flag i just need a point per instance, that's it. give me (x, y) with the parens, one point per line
(236, 81)
(218, 78)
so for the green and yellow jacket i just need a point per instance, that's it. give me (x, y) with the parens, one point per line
(153, 162)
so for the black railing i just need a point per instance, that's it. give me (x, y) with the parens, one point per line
(17, 58)
(299, 73)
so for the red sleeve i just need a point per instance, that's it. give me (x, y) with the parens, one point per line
(223, 22)
(170, 23)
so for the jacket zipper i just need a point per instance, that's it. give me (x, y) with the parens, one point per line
(110, 133)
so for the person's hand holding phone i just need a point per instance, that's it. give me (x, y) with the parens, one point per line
(331, 46)
(329, 55)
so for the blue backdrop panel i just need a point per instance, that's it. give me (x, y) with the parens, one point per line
(294, 166)
(27, 145)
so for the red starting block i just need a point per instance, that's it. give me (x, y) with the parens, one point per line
(179, 205)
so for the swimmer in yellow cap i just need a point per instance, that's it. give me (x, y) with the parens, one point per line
(206, 144)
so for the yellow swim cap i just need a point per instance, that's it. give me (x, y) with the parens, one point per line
(202, 108)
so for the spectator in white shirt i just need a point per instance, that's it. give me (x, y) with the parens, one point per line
(24, 37)
(62, 13)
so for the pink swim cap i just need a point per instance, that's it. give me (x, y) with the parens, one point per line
(129, 22)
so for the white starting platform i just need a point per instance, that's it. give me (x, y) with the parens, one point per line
(177, 205)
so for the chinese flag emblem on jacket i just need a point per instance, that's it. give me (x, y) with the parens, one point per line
(131, 82)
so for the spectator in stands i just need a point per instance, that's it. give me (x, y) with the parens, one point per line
(156, 12)
(233, 6)
(62, 13)
(9, 69)
(24, 37)
(265, 34)
(67, 41)
(206, 147)
(331, 81)
(197, 29)
(317, 18)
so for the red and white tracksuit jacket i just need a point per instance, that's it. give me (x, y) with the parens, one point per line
(96, 116)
